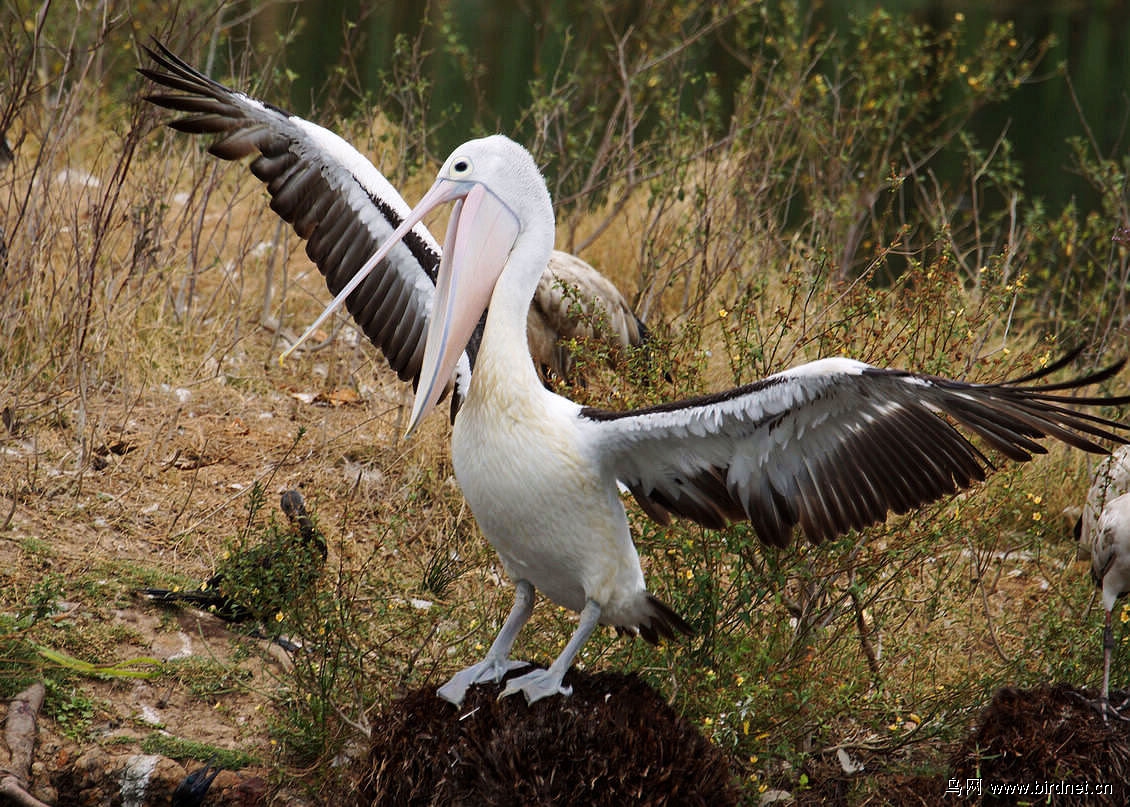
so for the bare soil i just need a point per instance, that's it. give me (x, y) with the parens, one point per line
(153, 495)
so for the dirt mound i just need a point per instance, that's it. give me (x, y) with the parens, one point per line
(880, 783)
(615, 741)
(1050, 740)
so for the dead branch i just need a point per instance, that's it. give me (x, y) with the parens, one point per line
(19, 736)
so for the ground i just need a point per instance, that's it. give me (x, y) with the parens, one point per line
(155, 496)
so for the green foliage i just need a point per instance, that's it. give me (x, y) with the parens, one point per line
(330, 688)
(268, 568)
(180, 748)
(42, 601)
(72, 710)
(443, 569)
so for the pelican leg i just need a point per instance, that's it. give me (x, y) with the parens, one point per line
(497, 662)
(543, 683)
(1108, 649)
(1104, 708)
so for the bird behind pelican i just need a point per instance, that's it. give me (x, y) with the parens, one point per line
(1110, 480)
(1110, 569)
(575, 301)
(831, 445)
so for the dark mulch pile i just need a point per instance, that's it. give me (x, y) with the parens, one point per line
(615, 741)
(877, 786)
(1048, 737)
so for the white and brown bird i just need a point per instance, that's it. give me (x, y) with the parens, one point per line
(829, 446)
(1110, 480)
(1103, 533)
(1110, 569)
(575, 301)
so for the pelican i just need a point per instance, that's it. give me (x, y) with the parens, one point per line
(831, 445)
(345, 208)
(573, 300)
(1110, 569)
(1111, 479)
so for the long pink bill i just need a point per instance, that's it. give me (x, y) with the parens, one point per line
(479, 237)
(480, 234)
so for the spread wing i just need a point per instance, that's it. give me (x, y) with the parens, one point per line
(835, 444)
(331, 195)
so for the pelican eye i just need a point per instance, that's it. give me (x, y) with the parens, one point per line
(461, 167)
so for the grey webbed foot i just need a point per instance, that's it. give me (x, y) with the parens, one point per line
(486, 671)
(536, 685)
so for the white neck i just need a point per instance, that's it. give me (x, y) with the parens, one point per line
(504, 357)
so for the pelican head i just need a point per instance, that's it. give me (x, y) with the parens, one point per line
(499, 194)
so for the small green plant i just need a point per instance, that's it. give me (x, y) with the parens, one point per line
(442, 569)
(42, 601)
(72, 710)
(180, 748)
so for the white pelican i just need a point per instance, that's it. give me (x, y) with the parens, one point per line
(1110, 569)
(345, 208)
(830, 445)
(1111, 479)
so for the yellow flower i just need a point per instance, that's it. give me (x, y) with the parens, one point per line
(723, 313)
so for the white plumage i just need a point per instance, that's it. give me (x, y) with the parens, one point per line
(1110, 569)
(830, 446)
(1111, 479)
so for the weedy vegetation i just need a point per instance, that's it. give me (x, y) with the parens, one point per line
(830, 201)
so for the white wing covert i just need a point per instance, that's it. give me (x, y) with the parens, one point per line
(833, 445)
